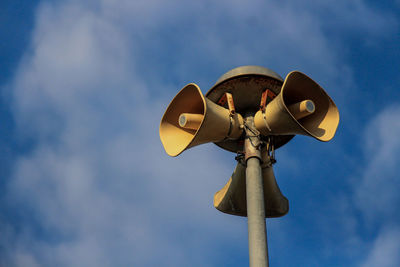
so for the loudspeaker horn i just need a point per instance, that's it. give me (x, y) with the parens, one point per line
(192, 119)
(231, 198)
(302, 107)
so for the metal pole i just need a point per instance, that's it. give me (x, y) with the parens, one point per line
(258, 249)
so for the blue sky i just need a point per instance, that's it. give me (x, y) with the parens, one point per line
(85, 180)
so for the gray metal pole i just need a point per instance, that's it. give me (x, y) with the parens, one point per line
(258, 249)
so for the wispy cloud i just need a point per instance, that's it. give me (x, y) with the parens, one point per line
(97, 189)
(367, 214)
(385, 249)
(376, 192)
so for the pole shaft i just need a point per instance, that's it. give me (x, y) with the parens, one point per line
(258, 249)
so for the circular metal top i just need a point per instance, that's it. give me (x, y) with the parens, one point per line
(246, 84)
(248, 70)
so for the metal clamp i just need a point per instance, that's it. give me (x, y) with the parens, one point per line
(266, 97)
(227, 98)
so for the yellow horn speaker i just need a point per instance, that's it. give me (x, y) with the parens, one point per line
(231, 198)
(302, 107)
(192, 119)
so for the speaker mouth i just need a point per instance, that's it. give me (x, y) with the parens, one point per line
(175, 138)
(320, 124)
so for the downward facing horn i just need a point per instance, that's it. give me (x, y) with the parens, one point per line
(231, 198)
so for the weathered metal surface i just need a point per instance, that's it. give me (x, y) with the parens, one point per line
(246, 70)
(231, 199)
(258, 250)
(246, 85)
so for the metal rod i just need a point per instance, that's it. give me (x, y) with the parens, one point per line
(258, 249)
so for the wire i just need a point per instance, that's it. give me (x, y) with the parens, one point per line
(255, 134)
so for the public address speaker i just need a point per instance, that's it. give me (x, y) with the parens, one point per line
(231, 198)
(302, 107)
(191, 119)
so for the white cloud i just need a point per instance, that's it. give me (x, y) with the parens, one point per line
(385, 250)
(101, 189)
(97, 179)
(376, 192)
(368, 217)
